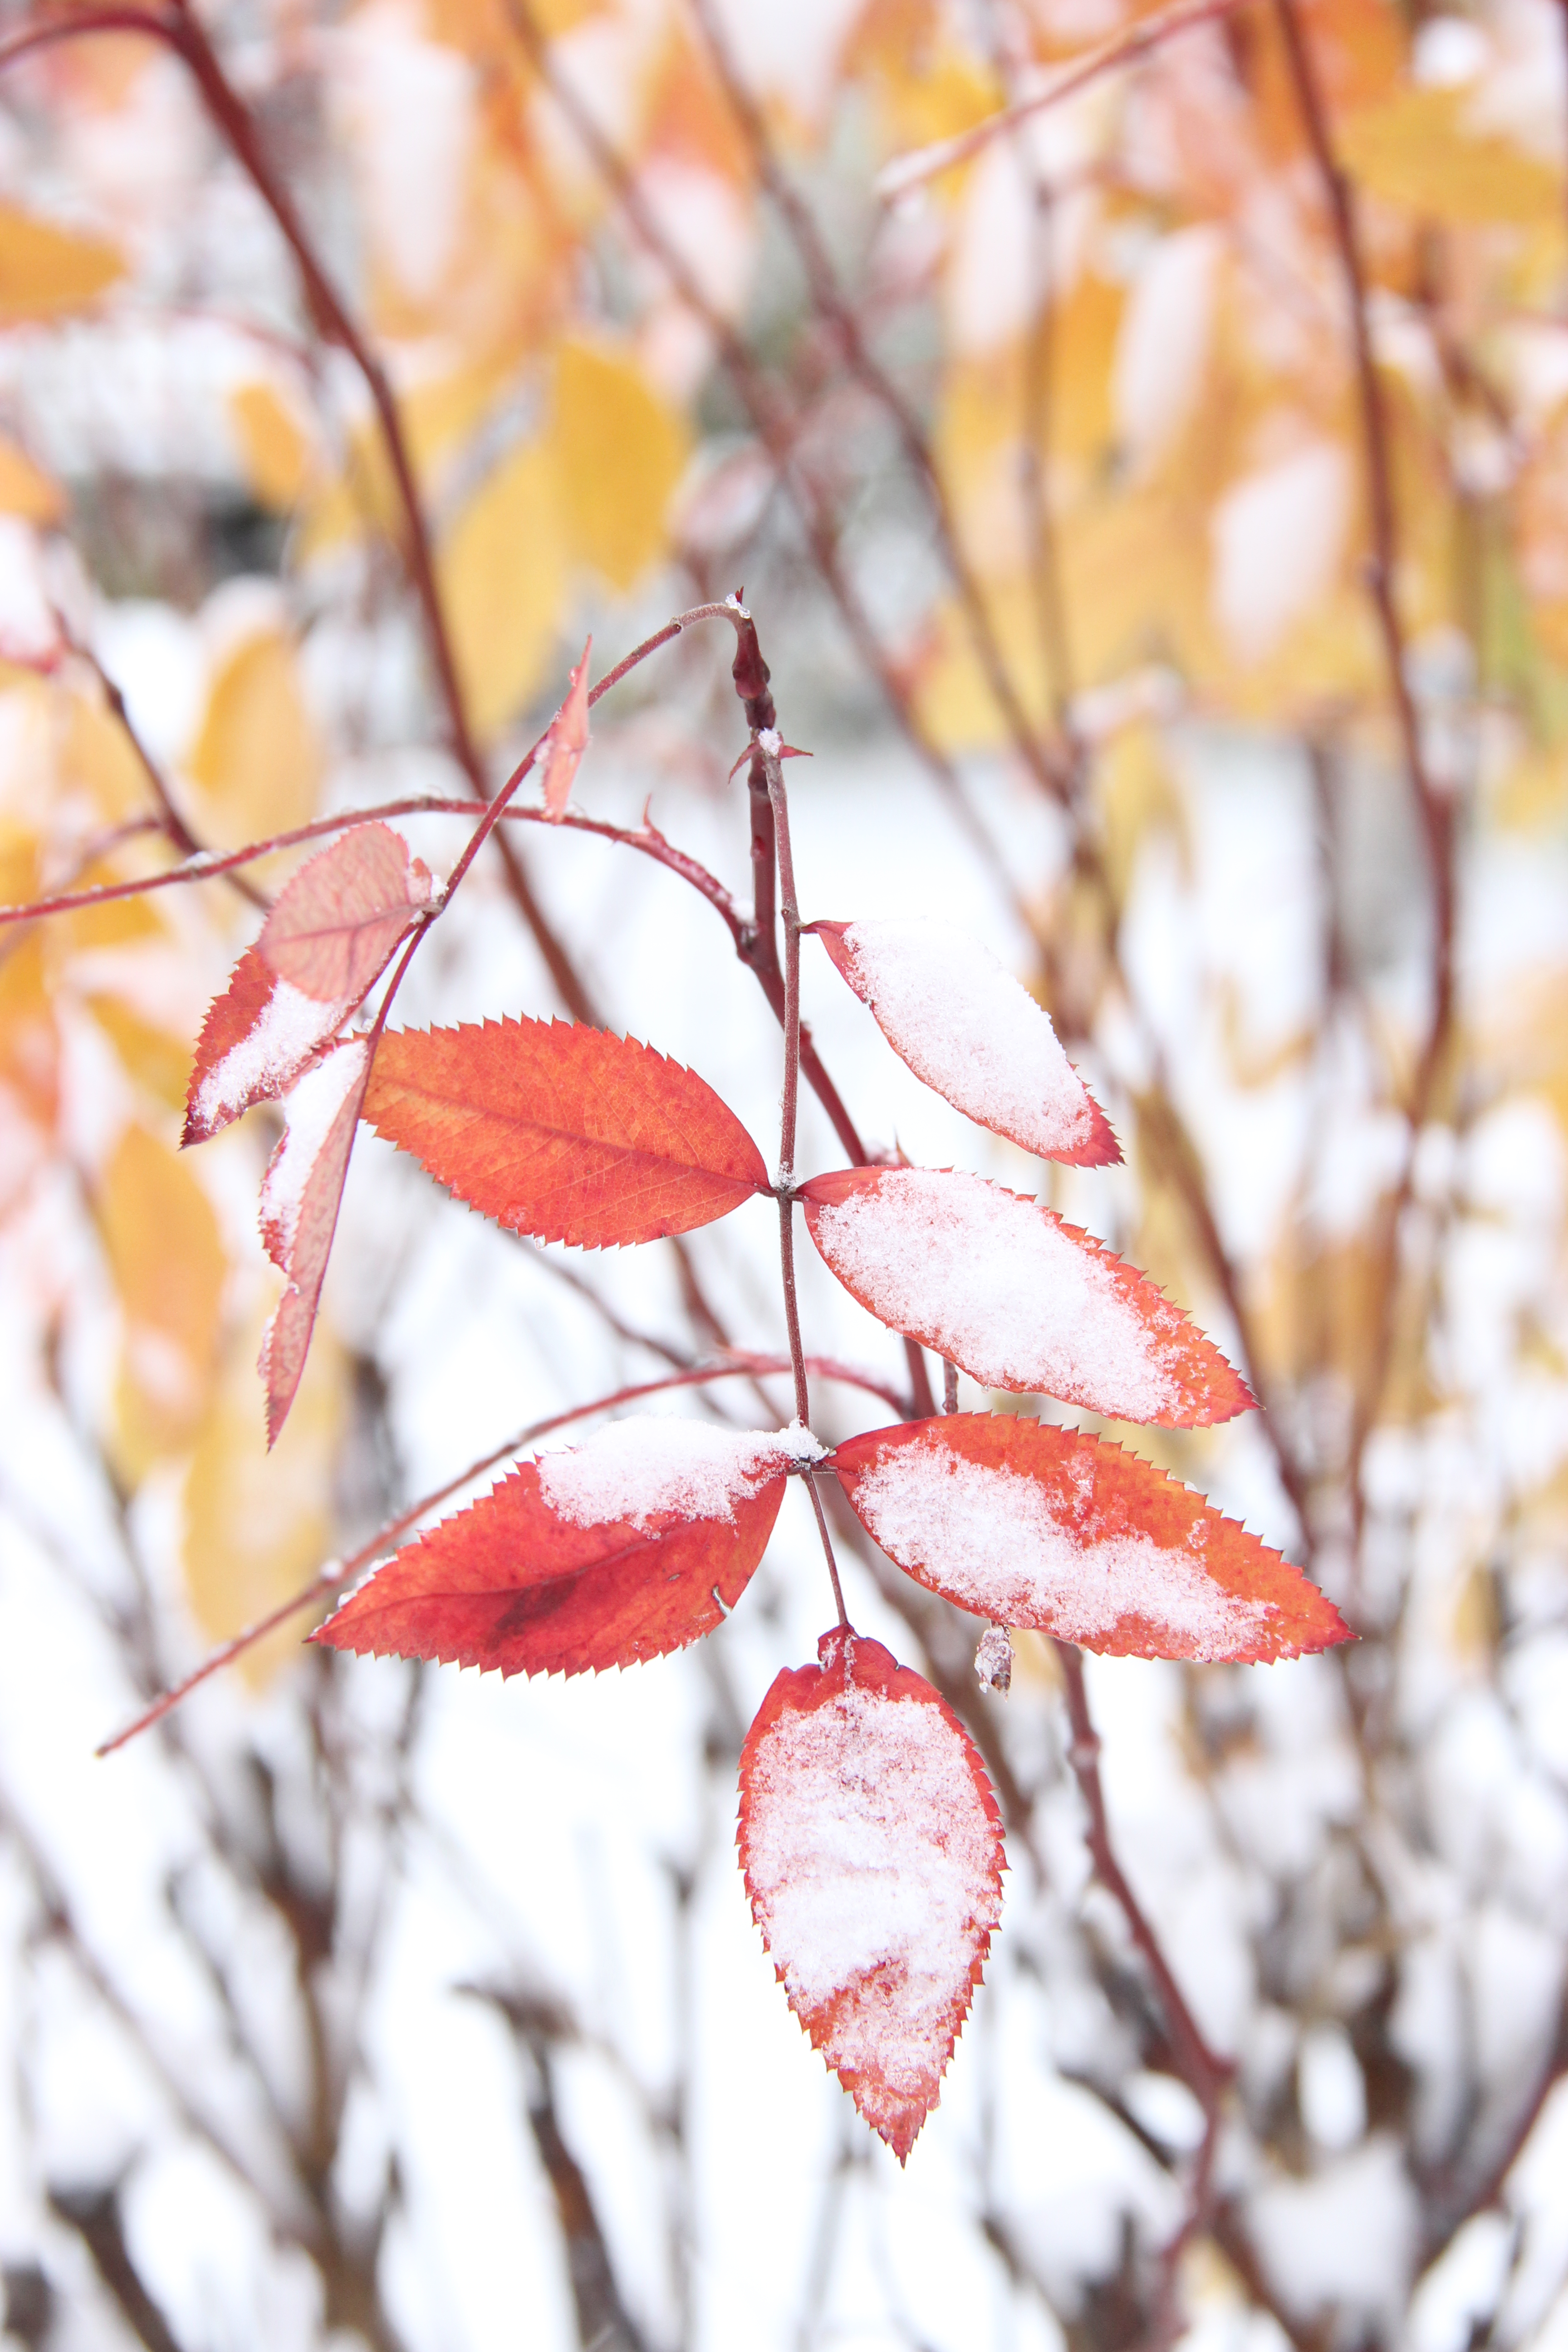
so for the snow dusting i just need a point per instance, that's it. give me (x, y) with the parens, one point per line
(291, 1027)
(313, 1107)
(966, 1026)
(993, 1537)
(872, 1865)
(634, 1469)
(997, 1283)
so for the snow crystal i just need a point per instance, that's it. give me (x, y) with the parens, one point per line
(997, 1285)
(966, 1026)
(287, 1031)
(870, 1859)
(993, 1660)
(633, 1469)
(312, 1108)
(992, 1535)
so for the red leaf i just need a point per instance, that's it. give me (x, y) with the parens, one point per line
(1001, 1285)
(325, 942)
(964, 1023)
(564, 1132)
(338, 919)
(567, 741)
(1028, 1525)
(301, 1194)
(634, 1544)
(872, 1846)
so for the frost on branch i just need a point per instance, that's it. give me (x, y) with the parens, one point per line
(872, 1846)
(1020, 1299)
(562, 1132)
(630, 1546)
(1034, 1526)
(964, 1023)
(301, 1194)
(325, 943)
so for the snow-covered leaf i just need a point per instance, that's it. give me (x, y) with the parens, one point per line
(300, 1195)
(871, 1845)
(1031, 1524)
(324, 944)
(1001, 1285)
(964, 1023)
(567, 741)
(565, 1132)
(336, 923)
(632, 1545)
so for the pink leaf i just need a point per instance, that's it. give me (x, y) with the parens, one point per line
(1030, 1525)
(622, 1549)
(1021, 1300)
(968, 1028)
(330, 935)
(872, 1846)
(567, 741)
(334, 926)
(301, 1194)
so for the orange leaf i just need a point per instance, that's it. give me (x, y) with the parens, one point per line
(259, 1037)
(872, 1846)
(562, 1132)
(1029, 1524)
(968, 1028)
(1020, 1299)
(337, 922)
(300, 1195)
(567, 741)
(629, 1547)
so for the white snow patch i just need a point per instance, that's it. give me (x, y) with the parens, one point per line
(1001, 1289)
(291, 1027)
(870, 1857)
(992, 1535)
(966, 1026)
(634, 1469)
(313, 1107)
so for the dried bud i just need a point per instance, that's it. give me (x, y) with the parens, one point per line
(993, 1660)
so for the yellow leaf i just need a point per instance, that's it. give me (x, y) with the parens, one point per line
(1135, 795)
(96, 754)
(152, 1057)
(502, 580)
(1416, 152)
(257, 1525)
(166, 1257)
(25, 488)
(45, 270)
(273, 444)
(257, 759)
(29, 1042)
(620, 450)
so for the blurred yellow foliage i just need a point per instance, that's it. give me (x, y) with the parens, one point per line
(169, 1267)
(45, 269)
(257, 759)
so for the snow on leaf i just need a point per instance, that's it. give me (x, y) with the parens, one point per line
(301, 1194)
(1002, 1286)
(964, 1023)
(629, 1547)
(330, 935)
(872, 1846)
(565, 1132)
(258, 1036)
(567, 741)
(1031, 1524)
(338, 919)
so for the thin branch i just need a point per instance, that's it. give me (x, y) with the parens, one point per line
(1433, 806)
(1123, 48)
